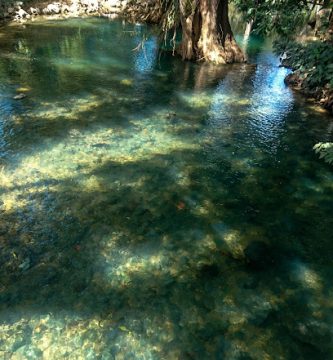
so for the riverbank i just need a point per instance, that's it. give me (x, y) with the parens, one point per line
(312, 74)
(310, 58)
(21, 11)
(322, 96)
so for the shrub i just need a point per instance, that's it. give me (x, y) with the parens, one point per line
(313, 60)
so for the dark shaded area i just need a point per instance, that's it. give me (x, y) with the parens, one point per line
(64, 270)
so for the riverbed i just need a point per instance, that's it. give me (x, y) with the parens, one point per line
(157, 209)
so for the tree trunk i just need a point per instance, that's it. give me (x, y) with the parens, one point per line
(187, 45)
(330, 25)
(207, 33)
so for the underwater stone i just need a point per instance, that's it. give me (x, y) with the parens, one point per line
(28, 352)
(19, 96)
(25, 265)
(314, 332)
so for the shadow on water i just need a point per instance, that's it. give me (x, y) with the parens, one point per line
(144, 267)
(153, 219)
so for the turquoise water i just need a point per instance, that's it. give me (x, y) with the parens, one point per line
(155, 209)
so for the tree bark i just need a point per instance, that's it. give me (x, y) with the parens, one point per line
(329, 33)
(186, 20)
(207, 33)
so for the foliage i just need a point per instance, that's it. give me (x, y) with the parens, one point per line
(284, 17)
(313, 60)
(325, 151)
(281, 17)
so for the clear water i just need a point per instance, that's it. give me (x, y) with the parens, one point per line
(155, 209)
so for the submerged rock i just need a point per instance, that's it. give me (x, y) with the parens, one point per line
(25, 265)
(314, 332)
(19, 96)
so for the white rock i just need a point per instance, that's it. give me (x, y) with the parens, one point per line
(113, 3)
(65, 9)
(74, 8)
(21, 14)
(34, 11)
(91, 5)
(54, 8)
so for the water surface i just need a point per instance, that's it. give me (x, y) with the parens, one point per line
(156, 209)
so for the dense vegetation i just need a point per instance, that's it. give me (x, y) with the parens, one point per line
(286, 18)
(303, 31)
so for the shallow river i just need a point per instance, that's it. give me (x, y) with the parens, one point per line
(155, 209)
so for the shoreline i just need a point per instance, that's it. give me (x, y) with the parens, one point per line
(141, 11)
(320, 96)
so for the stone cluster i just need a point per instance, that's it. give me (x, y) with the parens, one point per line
(134, 10)
(15, 11)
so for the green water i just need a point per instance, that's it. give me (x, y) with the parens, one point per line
(155, 209)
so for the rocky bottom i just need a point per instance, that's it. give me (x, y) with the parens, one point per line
(156, 209)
